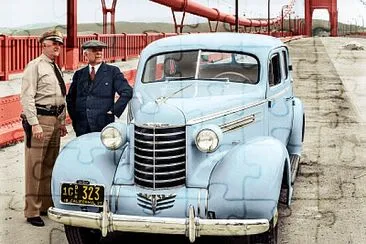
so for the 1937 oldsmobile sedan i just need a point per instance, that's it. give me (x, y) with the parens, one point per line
(213, 134)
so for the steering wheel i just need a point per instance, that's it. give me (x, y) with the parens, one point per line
(228, 73)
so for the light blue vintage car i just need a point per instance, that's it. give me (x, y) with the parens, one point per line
(214, 134)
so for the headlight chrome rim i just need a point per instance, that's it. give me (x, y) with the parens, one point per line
(207, 140)
(111, 138)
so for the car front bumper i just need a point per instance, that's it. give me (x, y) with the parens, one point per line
(192, 226)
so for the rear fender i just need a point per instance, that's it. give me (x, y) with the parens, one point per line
(248, 180)
(294, 145)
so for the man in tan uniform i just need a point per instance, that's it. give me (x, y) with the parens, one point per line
(43, 101)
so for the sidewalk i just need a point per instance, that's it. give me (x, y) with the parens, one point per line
(12, 87)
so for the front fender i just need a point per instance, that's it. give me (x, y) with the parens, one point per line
(84, 158)
(247, 182)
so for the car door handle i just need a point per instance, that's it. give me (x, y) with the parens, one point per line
(289, 98)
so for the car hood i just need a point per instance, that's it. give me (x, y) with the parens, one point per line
(181, 103)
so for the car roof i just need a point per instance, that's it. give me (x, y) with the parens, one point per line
(214, 41)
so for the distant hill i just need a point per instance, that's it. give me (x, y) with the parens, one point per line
(26, 29)
(143, 27)
(121, 27)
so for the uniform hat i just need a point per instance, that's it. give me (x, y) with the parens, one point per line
(53, 35)
(93, 44)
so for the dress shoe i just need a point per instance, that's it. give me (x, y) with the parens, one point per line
(36, 221)
(43, 213)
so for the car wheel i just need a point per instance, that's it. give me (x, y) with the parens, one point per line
(78, 235)
(268, 237)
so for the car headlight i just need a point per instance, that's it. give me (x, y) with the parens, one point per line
(208, 139)
(113, 137)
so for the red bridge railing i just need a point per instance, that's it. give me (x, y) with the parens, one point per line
(17, 51)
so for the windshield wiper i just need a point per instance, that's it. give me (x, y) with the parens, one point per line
(219, 79)
(162, 99)
(169, 78)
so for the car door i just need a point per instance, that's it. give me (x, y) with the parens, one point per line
(279, 95)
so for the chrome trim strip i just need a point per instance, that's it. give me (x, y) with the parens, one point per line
(225, 112)
(160, 142)
(159, 126)
(167, 134)
(159, 165)
(236, 124)
(160, 150)
(235, 110)
(161, 173)
(161, 181)
(159, 158)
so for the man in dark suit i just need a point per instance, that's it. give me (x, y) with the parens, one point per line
(91, 98)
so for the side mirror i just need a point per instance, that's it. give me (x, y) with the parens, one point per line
(290, 67)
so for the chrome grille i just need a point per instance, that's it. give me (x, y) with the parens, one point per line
(160, 157)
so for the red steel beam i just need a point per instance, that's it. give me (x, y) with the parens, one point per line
(211, 14)
(105, 11)
(72, 50)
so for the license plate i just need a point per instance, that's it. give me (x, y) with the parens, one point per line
(82, 194)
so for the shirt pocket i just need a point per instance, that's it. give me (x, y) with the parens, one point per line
(46, 82)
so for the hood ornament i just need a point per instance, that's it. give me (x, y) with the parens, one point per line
(155, 202)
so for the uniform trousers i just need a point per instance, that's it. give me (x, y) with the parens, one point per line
(39, 161)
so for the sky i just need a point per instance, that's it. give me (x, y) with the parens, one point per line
(22, 13)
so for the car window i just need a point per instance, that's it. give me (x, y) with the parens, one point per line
(202, 65)
(274, 72)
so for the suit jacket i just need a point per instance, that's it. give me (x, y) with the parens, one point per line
(89, 101)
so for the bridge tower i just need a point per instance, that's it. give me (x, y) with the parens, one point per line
(330, 5)
(112, 11)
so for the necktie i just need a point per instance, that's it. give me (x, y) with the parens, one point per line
(61, 81)
(92, 73)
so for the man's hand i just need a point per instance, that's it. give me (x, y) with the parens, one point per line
(37, 132)
(63, 131)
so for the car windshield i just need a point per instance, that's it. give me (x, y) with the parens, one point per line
(202, 65)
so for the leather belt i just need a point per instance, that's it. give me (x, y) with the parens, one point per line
(50, 110)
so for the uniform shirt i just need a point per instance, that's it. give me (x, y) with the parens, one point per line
(40, 86)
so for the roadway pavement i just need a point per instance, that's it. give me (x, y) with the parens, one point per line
(329, 204)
